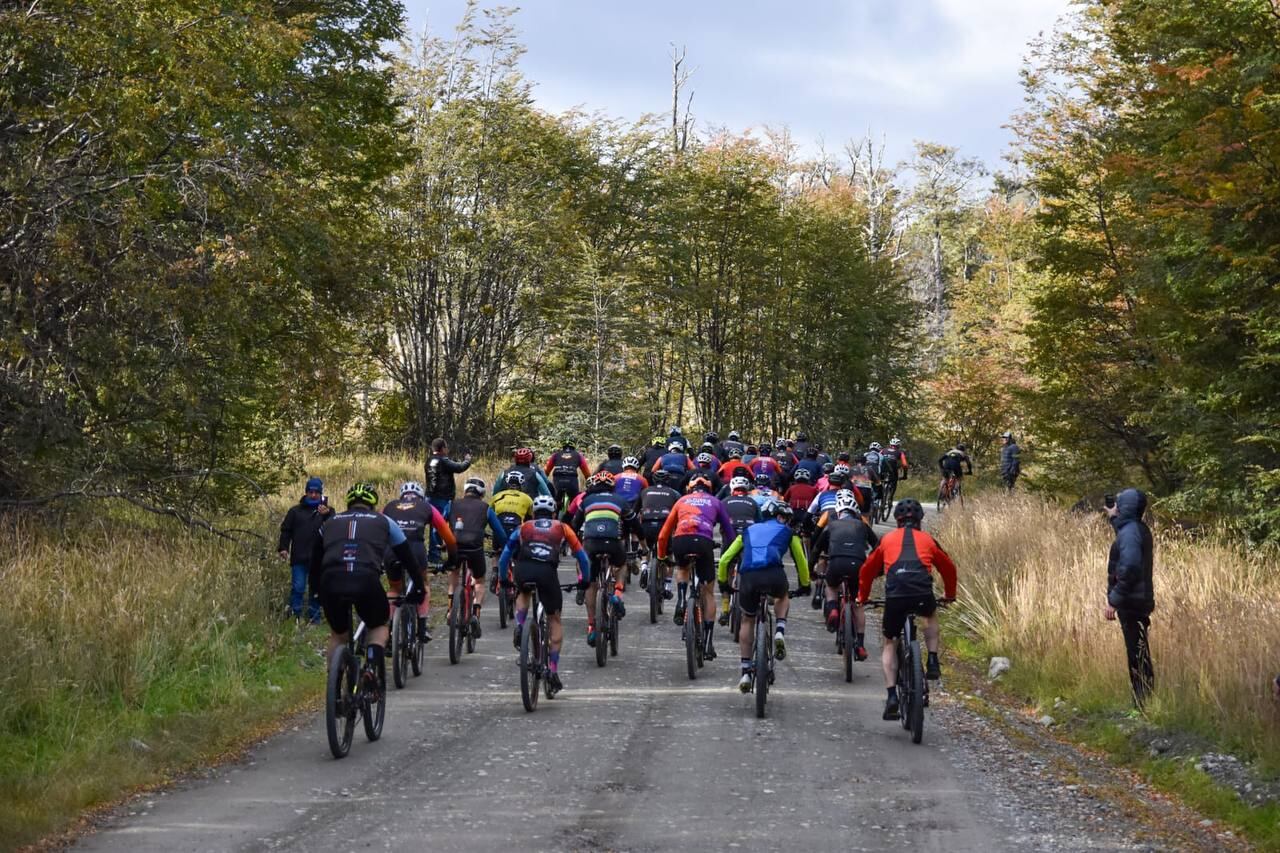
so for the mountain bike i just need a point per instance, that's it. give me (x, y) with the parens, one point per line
(504, 596)
(762, 674)
(354, 690)
(606, 611)
(407, 649)
(950, 490)
(535, 649)
(886, 505)
(913, 687)
(691, 632)
(460, 610)
(653, 571)
(846, 641)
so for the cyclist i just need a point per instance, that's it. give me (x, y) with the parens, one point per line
(734, 467)
(766, 464)
(415, 516)
(652, 454)
(534, 482)
(688, 536)
(535, 547)
(762, 548)
(655, 505)
(952, 464)
(844, 542)
(809, 462)
(802, 446)
(629, 485)
(468, 519)
(346, 567)
(907, 557)
(675, 436)
(705, 463)
(743, 511)
(563, 468)
(826, 498)
(676, 464)
(764, 491)
(601, 521)
(712, 438)
(612, 461)
(824, 481)
(864, 479)
(897, 456)
(798, 496)
(513, 508)
(732, 443)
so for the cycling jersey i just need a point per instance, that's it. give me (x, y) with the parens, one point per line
(513, 508)
(894, 462)
(907, 558)
(812, 466)
(613, 466)
(695, 514)
(563, 468)
(952, 461)
(413, 517)
(800, 495)
(766, 465)
(656, 503)
(356, 540)
(733, 468)
(729, 446)
(675, 464)
(863, 474)
(468, 519)
(764, 495)
(743, 511)
(535, 482)
(602, 515)
(629, 485)
(762, 547)
(873, 459)
(847, 537)
(539, 541)
(822, 502)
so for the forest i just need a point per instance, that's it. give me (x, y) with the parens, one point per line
(232, 240)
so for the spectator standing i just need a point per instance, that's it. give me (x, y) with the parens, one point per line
(297, 534)
(1010, 460)
(1130, 594)
(441, 487)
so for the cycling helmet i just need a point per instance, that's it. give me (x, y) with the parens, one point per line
(895, 442)
(752, 449)
(568, 444)
(837, 478)
(600, 480)
(961, 448)
(779, 510)
(513, 479)
(842, 456)
(659, 477)
(735, 454)
(846, 501)
(711, 438)
(631, 462)
(675, 447)
(412, 487)
(802, 475)
(908, 511)
(828, 467)
(362, 493)
(763, 480)
(707, 447)
(523, 456)
(705, 460)
(674, 431)
(841, 469)
(739, 484)
(614, 451)
(544, 505)
(800, 436)
(476, 485)
(699, 483)
(734, 435)
(875, 445)
(780, 444)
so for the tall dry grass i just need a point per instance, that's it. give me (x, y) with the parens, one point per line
(1032, 587)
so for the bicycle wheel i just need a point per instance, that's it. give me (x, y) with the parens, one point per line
(846, 633)
(418, 656)
(699, 629)
(916, 723)
(688, 633)
(376, 712)
(455, 627)
(602, 625)
(763, 661)
(735, 616)
(613, 631)
(469, 606)
(655, 593)
(529, 661)
(399, 647)
(339, 709)
(544, 656)
(904, 683)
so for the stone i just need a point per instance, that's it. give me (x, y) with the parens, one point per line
(998, 667)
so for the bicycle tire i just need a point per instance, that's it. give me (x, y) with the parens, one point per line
(399, 648)
(762, 660)
(687, 634)
(528, 665)
(376, 712)
(735, 616)
(613, 632)
(468, 608)
(544, 655)
(917, 695)
(602, 626)
(419, 656)
(846, 632)
(904, 684)
(699, 651)
(339, 718)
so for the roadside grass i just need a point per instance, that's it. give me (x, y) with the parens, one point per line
(1032, 588)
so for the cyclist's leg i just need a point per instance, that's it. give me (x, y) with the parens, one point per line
(479, 566)
(747, 593)
(895, 617)
(835, 570)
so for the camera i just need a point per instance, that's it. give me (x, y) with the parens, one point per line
(1109, 501)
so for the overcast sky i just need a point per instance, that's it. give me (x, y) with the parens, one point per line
(938, 70)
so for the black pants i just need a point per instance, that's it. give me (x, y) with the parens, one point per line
(1138, 650)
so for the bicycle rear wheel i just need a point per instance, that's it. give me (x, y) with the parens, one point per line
(763, 661)
(455, 627)
(530, 660)
(916, 723)
(602, 625)
(689, 634)
(846, 634)
(735, 616)
(339, 707)
(904, 684)
(418, 658)
(655, 592)
(376, 712)
(399, 647)
(818, 597)
(613, 631)
(699, 629)
(468, 609)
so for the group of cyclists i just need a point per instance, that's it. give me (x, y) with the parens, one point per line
(655, 514)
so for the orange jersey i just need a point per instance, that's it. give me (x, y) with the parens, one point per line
(908, 558)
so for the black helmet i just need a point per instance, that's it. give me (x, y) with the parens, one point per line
(711, 438)
(734, 435)
(674, 431)
(908, 511)
(960, 446)
(614, 451)
(707, 447)
(778, 509)
(800, 436)
(828, 467)
(763, 480)
(660, 477)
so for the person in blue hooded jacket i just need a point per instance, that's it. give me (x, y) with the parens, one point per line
(1130, 595)
(298, 531)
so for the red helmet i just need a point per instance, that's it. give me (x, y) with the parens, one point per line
(523, 456)
(600, 480)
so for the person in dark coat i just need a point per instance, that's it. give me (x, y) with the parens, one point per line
(1130, 594)
(297, 534)
(441, 486)
(1010, 460)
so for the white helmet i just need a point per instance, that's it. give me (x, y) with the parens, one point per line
(739, 483)
(704, 459)
(875, 445)
(412, 487)
(841, 469)
(846, 501)
(895, 442)
(631, 462)
(544, 504)
(474, 485)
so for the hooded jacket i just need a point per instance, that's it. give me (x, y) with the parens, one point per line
(299, 529)
(1129, 586)
(1010, 461)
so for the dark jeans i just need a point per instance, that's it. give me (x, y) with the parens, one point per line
(443, 505)
(1138, 650)
(298, 590)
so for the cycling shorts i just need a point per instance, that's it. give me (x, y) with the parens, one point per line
(841, 568)
(612, 550)
(698, 549)
(772, 580)
(395, 571)
(896, 610)
(545, 578)
(340, 589)
(474, 558)
(651, 529)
